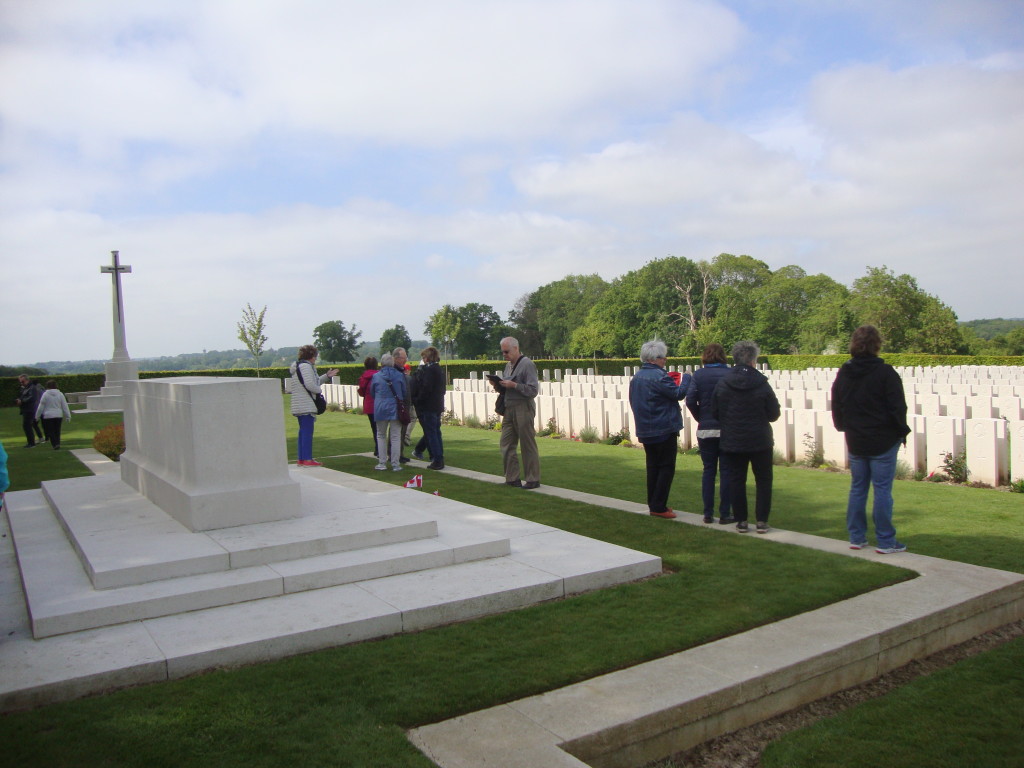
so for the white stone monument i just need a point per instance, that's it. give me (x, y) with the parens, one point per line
(121, 367)
(209, 450)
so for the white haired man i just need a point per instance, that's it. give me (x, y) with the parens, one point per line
(518, 429)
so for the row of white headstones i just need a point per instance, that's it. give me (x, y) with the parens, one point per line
(978, 410)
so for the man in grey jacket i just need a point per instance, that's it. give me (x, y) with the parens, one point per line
(519, 380)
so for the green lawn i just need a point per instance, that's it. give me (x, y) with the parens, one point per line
(349, 706)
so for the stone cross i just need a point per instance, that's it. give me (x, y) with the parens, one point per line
(115, 271)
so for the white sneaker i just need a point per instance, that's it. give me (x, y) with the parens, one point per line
(396, 468)
(896, 548)
(381, 467)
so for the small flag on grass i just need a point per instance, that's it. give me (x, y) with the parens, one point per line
(416, 481)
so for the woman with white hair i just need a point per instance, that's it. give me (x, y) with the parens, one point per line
(654, 397)
(388, 387)
(745, 405)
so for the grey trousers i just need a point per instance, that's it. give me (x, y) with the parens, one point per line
(518, 428)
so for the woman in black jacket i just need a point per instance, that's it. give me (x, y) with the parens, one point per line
(868, 405)
(745, 405)
(698, 403)
(429, 391)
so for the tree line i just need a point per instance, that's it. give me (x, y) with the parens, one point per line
(688, 304)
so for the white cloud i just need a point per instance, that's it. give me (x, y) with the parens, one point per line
(369, 163)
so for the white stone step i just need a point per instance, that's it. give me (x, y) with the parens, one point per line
(281, 626)
(62, 599)
(123, 538)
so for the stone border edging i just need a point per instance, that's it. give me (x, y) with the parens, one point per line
(650, 711)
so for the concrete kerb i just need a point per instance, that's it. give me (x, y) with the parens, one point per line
(650, 711)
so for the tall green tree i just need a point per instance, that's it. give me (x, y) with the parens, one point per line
(639, 306)
(476, 330)
(735, 280)
(779, 306)
(335, 342)
(250, 332)
(909, 319)
(395, 337)
(937, 331)
(522, 322)
(827, 323)
(561, 307)
(443, 328)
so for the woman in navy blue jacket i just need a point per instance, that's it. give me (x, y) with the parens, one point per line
(698, 403)
(745, 405)
(654, 396)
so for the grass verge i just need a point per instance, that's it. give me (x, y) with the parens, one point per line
(349, 706)
(965, 715)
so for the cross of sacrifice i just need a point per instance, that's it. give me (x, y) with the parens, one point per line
(115, 270)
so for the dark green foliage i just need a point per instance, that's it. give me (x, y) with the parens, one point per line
(335, 342)
(395, 337)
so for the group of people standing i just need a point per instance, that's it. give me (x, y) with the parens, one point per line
(735, 407)
(393, 394)
(38, 406)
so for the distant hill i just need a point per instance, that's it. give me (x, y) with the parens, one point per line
(207, 360)
(989, 329)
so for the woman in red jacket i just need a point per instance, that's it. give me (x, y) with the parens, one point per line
(366, 392)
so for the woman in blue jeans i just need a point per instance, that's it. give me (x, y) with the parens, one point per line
(868, 405)
(698, 403)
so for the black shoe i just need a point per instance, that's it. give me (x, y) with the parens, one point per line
(31, 445)
(404, 459)
(435, 465)
(418, 456)
(727, 520)
(531, 485)
(709, 519)
(741, 526)
(514, 483)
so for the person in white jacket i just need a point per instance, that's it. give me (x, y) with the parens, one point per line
(53, 411)
(304, 383)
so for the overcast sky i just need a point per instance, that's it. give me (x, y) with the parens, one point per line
(370, 162)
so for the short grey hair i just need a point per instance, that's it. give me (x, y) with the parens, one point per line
(399, 349)
(387, 359)
(745, 353)
(512, 342)
(652, 350)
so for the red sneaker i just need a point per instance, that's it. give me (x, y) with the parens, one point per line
(667, 513)
(310, 463)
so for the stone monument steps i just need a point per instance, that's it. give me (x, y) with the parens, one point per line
(47, 558)
(261, 630)
(124, 539)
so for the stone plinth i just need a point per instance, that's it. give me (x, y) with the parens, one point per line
(209, 451)
(111, 396)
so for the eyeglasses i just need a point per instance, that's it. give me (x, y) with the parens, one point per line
(506, 351)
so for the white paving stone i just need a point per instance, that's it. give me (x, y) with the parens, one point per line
(262, 630)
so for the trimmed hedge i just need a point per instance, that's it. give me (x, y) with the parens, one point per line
(461, 369)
